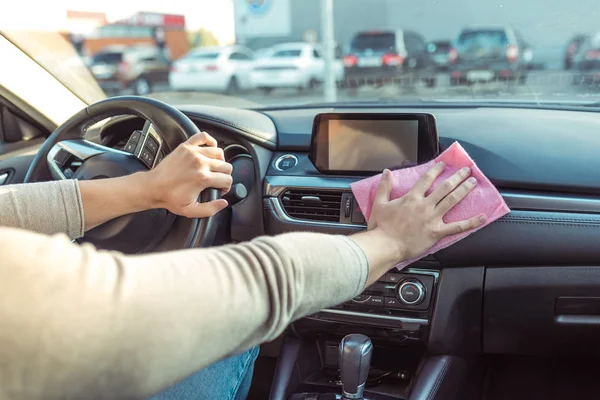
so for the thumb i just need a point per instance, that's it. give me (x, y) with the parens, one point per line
(384, 190)
(203, 210)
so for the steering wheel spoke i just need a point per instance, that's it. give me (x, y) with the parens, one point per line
(66, 156)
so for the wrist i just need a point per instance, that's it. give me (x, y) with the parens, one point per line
(381, 251)
(141, 195)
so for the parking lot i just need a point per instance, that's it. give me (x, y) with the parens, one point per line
(546, 85)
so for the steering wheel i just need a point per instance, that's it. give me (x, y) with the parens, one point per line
(67, 155)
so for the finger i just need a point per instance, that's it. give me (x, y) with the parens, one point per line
(383, 193)
(454, 197)
(220, 166)
(203, 210)
(425, 182)
(455, 228)
(212, 152)
(217, 180)
(446, 187)
(202, 139)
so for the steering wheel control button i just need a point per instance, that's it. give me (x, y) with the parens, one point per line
(160, 157)
(286, 162)
(411, 292)
(135, 136)
(130, 147)
(151, 145)
(147, 158)
(375, 301)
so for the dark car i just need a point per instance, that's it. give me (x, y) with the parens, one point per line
(586, 62)
(572, 49)
(137, 68)
(439, 52)
(488, 54)
(382, 56)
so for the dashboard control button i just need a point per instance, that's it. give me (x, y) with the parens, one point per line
(357, 216)
(286, 162)
(392, 278)
(160, 157)
(375, 301)
(361, 298)
(411, 292)
(392, 302)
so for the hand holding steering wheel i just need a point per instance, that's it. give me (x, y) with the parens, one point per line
(66, 154)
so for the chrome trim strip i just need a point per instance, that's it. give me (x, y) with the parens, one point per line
(516, 200)
(406, 320)
(283, 216)
(3, 178)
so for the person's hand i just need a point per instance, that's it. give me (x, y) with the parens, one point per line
(413, 222)
(177, 181)
(406, 227)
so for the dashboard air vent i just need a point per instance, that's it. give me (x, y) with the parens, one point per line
(313, 205)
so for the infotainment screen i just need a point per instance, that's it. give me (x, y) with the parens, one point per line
(363, 143)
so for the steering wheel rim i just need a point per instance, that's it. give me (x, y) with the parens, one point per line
(171, 128)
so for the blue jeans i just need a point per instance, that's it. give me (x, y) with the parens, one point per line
(228, 379)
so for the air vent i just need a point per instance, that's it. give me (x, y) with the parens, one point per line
(313, 205)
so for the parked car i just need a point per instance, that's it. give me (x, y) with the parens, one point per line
(292, 65)
(439, 52)
(221, 69)
(586, 62)
(487, 54)
(572, 48)
(137, 68)
(380, 56)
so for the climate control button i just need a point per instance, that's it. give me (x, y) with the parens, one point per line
(411, 292)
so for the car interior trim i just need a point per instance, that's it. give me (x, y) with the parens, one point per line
(367, 316)
(516, 200)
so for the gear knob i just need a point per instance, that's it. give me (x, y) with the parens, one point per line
(355, 360)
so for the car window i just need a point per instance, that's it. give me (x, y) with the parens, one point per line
(411, 43)
(316, 54)
(484, 39)
(239, 56)
(108, 58)
(288, 53)
(202, 56)
(374, 42)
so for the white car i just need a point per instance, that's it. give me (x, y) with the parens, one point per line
(292, 65)
(219, 69)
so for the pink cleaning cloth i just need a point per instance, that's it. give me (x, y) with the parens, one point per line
(483, 199)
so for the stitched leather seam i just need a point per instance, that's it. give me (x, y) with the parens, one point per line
(575, 223)
(439, 380)
(527, 218)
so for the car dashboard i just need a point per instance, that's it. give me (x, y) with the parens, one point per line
(527, 284)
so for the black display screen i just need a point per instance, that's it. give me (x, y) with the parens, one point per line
(359, 143)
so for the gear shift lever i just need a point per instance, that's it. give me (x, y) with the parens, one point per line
(355, 361)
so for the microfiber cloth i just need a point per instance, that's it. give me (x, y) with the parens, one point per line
(483, 199)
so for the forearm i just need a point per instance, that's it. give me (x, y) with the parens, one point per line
(72, 314)
(106, 199)
(45, 207)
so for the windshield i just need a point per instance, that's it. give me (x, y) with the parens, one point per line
(275, 53)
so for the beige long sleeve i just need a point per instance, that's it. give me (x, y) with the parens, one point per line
(80, 323)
